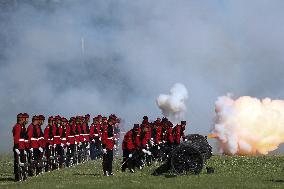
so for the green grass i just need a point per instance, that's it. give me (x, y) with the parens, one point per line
(230, 172)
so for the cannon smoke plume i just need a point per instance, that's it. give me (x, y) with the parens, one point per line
(173, 105)
(248, 126)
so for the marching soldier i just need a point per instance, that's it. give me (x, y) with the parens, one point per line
(19, 134)
(108, 144)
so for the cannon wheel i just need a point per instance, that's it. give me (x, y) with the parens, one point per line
(186, 159)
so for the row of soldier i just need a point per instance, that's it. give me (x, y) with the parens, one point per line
(62, 143)
(148, 142)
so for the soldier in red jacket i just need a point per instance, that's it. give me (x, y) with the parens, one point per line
(108, 145)
(65, 131)
(57, 142)
(19, 134)
(146, 142)
(41, 143)
(33, 132)
(156, 136)
(48, 137)
(41, 140)
(164, 130)
(178, 132)
(137, 136)
(169, 134)
(128, 148)
(71, 142)
(145, 136)
(87, 129)
(95, 137)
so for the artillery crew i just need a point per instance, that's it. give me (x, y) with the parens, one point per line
(148, 142)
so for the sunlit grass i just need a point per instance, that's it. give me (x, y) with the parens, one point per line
(230, 172)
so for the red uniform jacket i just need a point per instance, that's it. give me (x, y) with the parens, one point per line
(57, 132)
(95, 131)
(146, 137)
(71, 130)
(19, 134)
(128, 142)
(170, 138)
(64, 134)
(77, 133)
(107, 137)
(80, 133)
(33, 135)
(85, 132)
(158, 137)
(41, 140)
(177, 133)
(48, 136)
(137, 139)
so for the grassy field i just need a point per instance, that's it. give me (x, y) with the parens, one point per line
(230, 172)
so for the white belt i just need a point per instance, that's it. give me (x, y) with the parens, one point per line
(76, 135)
(34, 139)
(70, 136)
(21, 140)
(41, 138)
(96, 134)
(56, 136)
(110, 138)
(63, 138)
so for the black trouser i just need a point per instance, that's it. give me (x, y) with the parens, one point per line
(127, 162)
(60, 152)
(47, 151)
(107, 161)
(155, 152)
(33, 158)
(71, 151)
(95, 149)
(18, 157)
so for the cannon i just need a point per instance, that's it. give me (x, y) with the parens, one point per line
(189, 157)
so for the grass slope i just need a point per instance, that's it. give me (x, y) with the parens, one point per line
(230, 172)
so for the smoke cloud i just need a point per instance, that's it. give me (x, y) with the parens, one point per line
(173, 105)
(249, 126)
(131, 52)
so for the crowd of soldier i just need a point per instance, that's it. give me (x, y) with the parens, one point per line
(149, 142)
(62, 143)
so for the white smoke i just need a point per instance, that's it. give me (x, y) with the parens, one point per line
(249, 126)
(173, 105)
